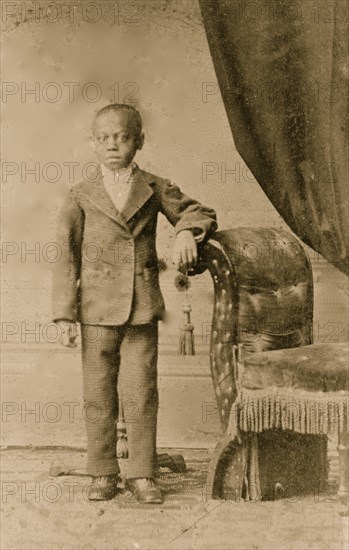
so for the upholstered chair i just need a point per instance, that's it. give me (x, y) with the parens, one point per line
(269, 383)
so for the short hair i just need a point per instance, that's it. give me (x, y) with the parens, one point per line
(120, 107)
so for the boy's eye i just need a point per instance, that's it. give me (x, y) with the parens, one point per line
(121, 138)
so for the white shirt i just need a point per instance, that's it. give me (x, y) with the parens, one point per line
(118, 184)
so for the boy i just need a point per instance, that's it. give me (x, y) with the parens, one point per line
(107, 279)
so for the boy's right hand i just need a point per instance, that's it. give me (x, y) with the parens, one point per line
(69, 333)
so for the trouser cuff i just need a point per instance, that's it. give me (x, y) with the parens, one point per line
(137, 472)
(103, 468)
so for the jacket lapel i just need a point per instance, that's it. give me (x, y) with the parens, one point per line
(97, 194)
(139, 194)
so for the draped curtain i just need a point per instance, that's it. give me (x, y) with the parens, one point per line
(282, 68)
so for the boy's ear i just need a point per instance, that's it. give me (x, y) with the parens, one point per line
(140, 141)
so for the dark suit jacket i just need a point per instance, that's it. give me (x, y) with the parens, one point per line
(107, 273)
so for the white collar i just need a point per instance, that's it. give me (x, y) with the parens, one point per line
(121, 175)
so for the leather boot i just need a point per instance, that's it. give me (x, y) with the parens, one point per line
(103, 487)
(145, 490)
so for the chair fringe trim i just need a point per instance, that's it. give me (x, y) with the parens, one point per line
(300, 411)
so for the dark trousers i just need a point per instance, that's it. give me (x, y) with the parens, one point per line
(112, 355)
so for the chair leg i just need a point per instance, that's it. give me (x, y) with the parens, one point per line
(227, 470)
(343, 451)
(253, 483)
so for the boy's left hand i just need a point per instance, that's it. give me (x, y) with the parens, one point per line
(185, 252)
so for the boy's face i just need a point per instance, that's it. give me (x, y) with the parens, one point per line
(116, 139)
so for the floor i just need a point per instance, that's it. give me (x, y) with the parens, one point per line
(49, 513)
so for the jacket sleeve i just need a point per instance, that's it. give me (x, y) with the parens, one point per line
(66, 271)
(186, 213)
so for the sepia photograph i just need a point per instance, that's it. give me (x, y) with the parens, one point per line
(174, 275)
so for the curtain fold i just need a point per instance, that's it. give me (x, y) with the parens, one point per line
(282, 68)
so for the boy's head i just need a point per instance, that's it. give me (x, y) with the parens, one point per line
(117, 135)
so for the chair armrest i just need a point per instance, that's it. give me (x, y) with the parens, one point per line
(263, 298)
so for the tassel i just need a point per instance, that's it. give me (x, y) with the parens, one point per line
(186, 338)
(121, 440)
(121, 434)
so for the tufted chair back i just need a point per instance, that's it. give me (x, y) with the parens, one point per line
(263, 299)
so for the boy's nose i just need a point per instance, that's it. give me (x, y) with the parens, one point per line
(112, 142)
